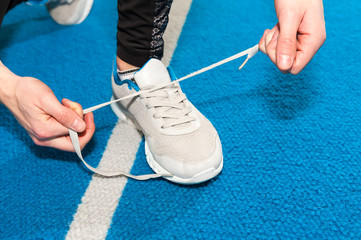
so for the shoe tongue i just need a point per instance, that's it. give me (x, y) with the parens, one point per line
(152, 74)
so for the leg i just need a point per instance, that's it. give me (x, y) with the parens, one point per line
(141, 26)
(6, 5)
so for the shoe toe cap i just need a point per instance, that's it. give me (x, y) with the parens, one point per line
(191, 170)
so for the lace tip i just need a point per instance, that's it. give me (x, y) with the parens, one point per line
(244, 63)
(253, 51)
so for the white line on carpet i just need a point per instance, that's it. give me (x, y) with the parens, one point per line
(94, 214)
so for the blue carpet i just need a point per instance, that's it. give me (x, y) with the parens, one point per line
(40, 187)
(291, 143)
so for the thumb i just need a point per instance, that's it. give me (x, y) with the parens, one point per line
(287, 42)
(66, 115)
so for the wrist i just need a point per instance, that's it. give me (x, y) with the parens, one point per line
(8, 82)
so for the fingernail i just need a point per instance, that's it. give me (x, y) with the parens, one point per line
(284, 61)
(78, 125)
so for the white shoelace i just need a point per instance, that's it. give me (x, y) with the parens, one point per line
(169, 105)
(75, 138)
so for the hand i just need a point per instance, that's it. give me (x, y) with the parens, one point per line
(37, 109)
(297, 36)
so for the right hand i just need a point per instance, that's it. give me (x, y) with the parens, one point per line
(298, 35)
(46, 120)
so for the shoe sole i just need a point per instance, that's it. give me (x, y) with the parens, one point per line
(196, 179)
(201, 177)
(86, 12)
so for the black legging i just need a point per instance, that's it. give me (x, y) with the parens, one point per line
(6, 5)
(141, 26)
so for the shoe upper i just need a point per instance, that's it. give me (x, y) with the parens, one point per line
(178, 136)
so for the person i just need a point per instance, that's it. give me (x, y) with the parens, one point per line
(179, 140)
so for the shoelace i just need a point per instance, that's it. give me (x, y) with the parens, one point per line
(75, 138)
(169, 105)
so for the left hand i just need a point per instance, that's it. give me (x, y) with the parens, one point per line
(297, 36)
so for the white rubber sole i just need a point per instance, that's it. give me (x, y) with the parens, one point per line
(196, 179)
(203, 176)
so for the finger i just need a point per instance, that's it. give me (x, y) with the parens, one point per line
(307, 48)
(64, 115)
(52, 129)
(303, 57)
(270, 34)
(268, 37)
(261, 43)
(74, 106)
(287, 41)
(272, 46)
(64, 142)
(85, 136)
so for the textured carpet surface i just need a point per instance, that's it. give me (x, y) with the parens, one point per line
(41, 188)
(291, 143)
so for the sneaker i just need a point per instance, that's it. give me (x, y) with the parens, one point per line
(69, 12)
(179, 141)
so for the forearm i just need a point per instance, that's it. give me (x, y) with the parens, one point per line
(8, 81)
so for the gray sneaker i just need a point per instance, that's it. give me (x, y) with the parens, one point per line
(179, 140)
(69, 12)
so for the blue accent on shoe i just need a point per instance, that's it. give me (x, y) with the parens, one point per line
(120, 82)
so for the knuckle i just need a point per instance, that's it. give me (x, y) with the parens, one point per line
(287, 41)
(41, 134)
(44, 99)
(37, 141)
(295, 70)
